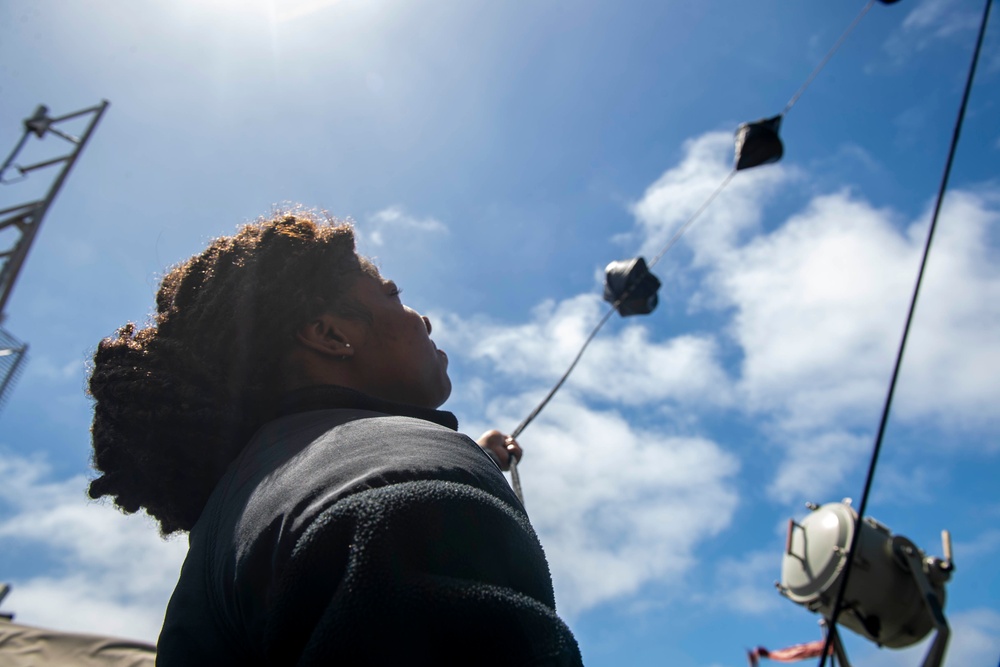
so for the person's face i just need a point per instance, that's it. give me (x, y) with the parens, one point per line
(395, 356)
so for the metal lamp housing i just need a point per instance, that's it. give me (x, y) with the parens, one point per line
(883, 601)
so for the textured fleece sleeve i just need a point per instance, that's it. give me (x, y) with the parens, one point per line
(417, 573)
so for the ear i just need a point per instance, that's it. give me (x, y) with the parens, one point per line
(328, 336)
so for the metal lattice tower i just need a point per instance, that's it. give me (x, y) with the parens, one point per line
(20, 222)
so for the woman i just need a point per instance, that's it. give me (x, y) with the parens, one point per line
(282, 408)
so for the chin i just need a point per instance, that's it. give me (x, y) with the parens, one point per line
(445, 394)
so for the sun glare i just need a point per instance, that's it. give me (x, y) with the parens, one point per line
(276, 11)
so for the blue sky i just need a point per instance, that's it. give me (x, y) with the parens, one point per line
(494, 158)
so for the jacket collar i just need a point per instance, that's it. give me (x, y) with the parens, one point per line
(326, 397)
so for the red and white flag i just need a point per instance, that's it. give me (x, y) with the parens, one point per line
(790, 654)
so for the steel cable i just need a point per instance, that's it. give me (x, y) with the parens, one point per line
(876, 450)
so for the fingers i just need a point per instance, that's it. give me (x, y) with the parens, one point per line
(501, 447)
(513, 449)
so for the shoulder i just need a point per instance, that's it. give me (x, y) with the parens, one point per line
(347, 451)
(334, 521)
(298, 466)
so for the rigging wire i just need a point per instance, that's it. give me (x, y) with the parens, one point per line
(534, 413)
(838, 604)
(694, 216)
(680, 232)
(515, 478)
(826, 58)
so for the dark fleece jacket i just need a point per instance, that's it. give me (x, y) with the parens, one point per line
(357, 532)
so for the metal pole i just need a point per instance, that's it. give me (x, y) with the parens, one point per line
(33, 213)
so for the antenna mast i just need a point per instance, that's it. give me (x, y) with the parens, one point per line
(23, 219)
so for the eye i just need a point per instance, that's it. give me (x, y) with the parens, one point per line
(394, 290)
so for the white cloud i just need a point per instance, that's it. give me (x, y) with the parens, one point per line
(814, 463)
(669, 202)
(983, 548)
(816, 304)
(975, 637)
(394, 220)
(619, 508)
(115, 573)
(975, 640)
(953, 354)
(940, 18)
(53, 372)
(626, 367)
(927, 22)
(908, 485)
(818, 307)
(746, 584)
(821, 304)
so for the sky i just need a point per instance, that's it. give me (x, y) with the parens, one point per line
(494, 158)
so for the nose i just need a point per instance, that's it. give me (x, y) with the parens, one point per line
(427, 323)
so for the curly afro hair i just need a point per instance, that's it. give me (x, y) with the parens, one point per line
(176, 402)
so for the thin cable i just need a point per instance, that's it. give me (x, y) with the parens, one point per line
(676, 237)
(906, 330)
(683, 228)
(680, 232)
(694, 216)
(826, 59)
(515, 480)
(545, 401)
